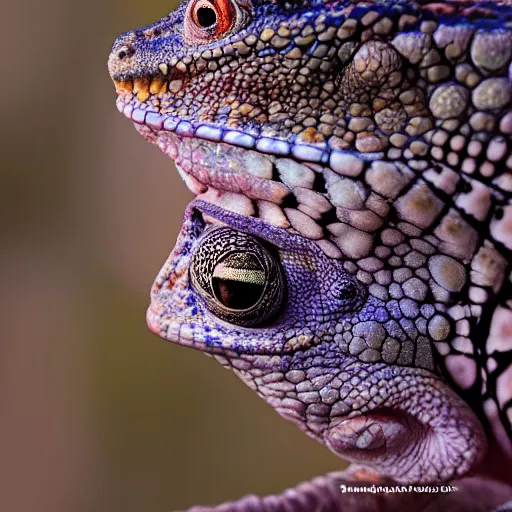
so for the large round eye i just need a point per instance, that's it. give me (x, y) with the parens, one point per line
(208, 20)
(238, 277)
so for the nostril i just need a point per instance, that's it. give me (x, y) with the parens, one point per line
(126, 51)
(123, 49)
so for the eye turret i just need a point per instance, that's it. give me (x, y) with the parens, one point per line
(238, 277)
(209, 20)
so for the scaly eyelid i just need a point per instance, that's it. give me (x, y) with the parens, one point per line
(278, 237)
(231, 17)
(249, 287)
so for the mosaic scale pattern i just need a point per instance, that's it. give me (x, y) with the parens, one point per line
(365, 150)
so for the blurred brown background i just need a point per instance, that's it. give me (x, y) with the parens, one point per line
(96, 412)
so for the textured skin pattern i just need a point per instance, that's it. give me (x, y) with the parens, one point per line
(370, 143)
(302, 366)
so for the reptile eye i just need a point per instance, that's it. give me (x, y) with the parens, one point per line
(208, 20)
(206, 17)
(239, 279)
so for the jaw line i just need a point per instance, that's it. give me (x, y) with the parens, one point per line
(265, 141)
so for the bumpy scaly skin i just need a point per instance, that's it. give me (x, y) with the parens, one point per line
(303, 367)
(372, 145)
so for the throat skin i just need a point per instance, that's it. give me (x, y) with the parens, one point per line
(370, 426)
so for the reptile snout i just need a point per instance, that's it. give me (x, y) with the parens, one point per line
(122, 55)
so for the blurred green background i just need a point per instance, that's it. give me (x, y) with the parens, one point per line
(96, 412)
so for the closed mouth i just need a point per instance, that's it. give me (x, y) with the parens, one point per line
(149, 113)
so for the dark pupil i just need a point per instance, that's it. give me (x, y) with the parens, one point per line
(206, 17)
(236, 294)
(238, 281)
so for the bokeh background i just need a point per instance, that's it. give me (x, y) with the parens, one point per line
(96, 413)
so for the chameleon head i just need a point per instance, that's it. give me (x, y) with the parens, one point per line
(358, 159)
(286, 318)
